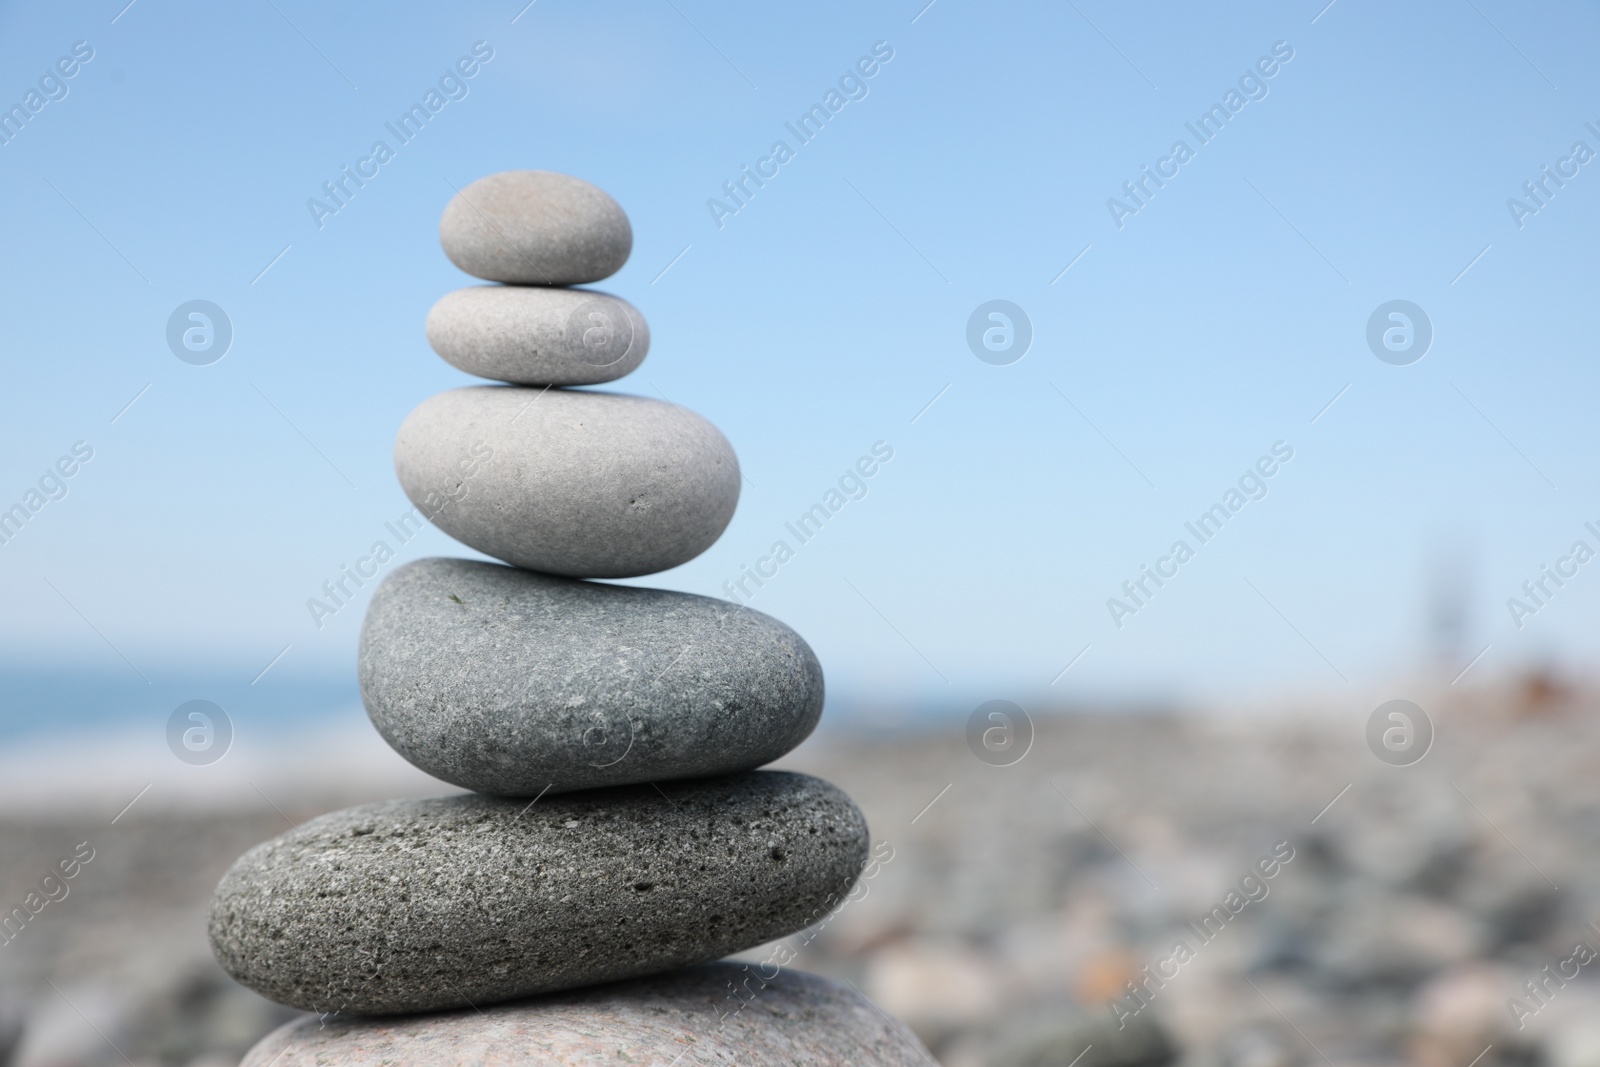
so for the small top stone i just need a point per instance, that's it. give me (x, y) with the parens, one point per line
(535, 227)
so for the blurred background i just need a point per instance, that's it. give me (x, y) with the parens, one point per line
(1369, 270)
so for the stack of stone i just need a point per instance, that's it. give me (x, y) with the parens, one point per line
(618, 832)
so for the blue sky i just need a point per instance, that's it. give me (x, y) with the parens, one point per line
(1219, 319)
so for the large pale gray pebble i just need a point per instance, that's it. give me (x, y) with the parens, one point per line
(530, 336)
(584, 484)
(509, 682)
(718, 1014)
(417, 905)
(535, 227)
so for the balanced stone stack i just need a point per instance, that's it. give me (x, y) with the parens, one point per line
(618, 831)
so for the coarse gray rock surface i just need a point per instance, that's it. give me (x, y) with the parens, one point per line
(509, 682)
(528, 335)
(689, 1016)
(584, 484)
(535, 227)
(419, 905)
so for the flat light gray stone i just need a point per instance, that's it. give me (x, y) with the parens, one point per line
(584, 484)
(719, 1014)
(535, 227)
(506, 681)
(532, 336)
(418, 905)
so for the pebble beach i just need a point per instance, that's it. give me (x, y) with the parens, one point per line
(1006, 909)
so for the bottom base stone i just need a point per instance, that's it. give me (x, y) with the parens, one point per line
(720, 1013)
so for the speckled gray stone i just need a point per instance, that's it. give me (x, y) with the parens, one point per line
(585, 484)
(416, 905)
(535, 227)
(510, 682)
(720, 1014)
(532, 336)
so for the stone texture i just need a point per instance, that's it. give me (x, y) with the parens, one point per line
(533, 336)
(584, 484)
(535, 227)
(417, 905)
(506, 681)
(688, 1017)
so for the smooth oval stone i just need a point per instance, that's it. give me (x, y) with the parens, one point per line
(529, 336)
(418, 905)
(588, 485)
(788, 1019)
(535, 227)
(509, 682)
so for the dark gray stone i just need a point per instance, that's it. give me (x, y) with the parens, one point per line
(418, 905)
(509, 682)
(535, 227)
(712, 1015)
(533, 336)
(584, 484)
